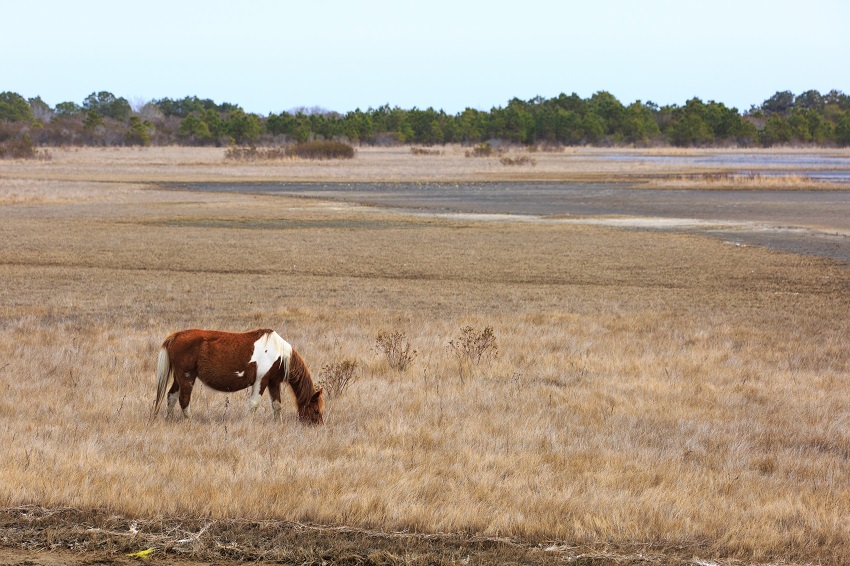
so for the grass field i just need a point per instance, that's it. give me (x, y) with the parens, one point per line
(657, 397)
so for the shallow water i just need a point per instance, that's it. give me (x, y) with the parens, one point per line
(826, 168)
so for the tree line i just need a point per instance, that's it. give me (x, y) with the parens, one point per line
(810, 118)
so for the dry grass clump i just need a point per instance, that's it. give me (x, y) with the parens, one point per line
(518, 160)
(654, 393)
(320, 149)
(792, 181)
(425, 151)
(484, 149)
(237, 153)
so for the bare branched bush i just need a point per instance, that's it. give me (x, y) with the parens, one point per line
(335, 377)
(472, 348)
(396, 348)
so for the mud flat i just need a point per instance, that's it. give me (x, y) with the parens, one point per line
(812, 222)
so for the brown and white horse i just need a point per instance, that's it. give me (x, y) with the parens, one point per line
(227, 361)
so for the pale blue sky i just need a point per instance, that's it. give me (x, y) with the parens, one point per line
(269, 56)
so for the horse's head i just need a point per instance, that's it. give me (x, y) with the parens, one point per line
(314, 411)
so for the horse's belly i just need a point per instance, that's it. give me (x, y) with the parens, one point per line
(225, 380)
(230, 388)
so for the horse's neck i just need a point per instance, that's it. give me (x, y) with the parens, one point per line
(300, 380)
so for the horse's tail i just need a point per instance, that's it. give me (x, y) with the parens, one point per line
(163, 371)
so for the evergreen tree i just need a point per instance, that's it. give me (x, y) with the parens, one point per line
(14, 108)
(137, 133)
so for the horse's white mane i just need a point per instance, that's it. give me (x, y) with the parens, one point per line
(273, 342)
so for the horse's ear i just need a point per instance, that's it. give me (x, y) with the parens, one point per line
(317, 394)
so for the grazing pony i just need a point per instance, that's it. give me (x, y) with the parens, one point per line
(227, 361)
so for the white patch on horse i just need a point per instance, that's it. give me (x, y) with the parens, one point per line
(240, 374)
(268, 349)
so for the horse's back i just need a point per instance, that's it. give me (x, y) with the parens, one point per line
(193, 337)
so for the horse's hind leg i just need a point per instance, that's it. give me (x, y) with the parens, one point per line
(186, 396)
(181, 390)
(172, 396)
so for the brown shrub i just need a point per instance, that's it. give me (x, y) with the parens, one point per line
(323, 149)
(22, 148)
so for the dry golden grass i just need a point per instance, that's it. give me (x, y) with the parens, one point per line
(708, 181)
(653, 392)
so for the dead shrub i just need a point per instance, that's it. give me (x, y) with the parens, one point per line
(472, 348)
(335, 377)
(396, 348)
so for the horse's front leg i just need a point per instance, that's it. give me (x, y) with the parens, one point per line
(274, 394)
